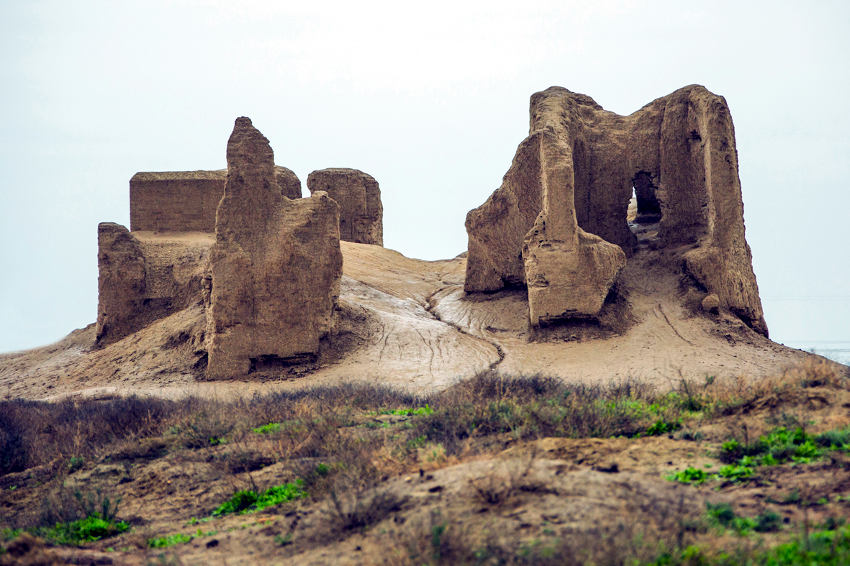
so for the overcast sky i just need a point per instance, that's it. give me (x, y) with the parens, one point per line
(431, 98)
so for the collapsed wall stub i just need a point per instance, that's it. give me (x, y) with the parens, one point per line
(288, 181)
(120, 283)
(359, 198)
(143, 276)
(186, 201)
(558, 222)
(275, 266)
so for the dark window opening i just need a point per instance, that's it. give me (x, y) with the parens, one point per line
(648, 207)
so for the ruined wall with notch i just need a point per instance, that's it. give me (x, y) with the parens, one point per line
(563, 203)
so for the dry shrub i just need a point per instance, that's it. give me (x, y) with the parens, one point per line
(441, 538)
(818, 372)
(133, 448)
(531, 407)
(353, 502)
(326, 400)
(204, 429)
(507, 480)
(732, 394)
(36, 433)
(352, 509)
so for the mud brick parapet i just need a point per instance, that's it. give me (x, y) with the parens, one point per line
(186, 201)
(176, 201)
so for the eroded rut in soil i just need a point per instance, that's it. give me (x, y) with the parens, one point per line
(430, 306)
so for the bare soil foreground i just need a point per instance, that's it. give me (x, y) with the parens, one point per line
(425, 434)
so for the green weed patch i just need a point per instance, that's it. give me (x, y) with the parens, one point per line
(90, 529)
(267, 428)
(169, 540)
(249, 501)
(177, 538)
(779, 446)
(408, 412)
(690, 475)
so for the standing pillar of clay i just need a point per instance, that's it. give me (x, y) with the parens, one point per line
(276, 266)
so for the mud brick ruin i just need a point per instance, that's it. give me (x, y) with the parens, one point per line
(264, 263)
(558, 224)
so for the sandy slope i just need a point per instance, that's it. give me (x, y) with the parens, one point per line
(407, 323)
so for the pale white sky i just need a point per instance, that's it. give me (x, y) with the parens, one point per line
(431, 98)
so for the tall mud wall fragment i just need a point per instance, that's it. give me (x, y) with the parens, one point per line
(361, 214)
(276, 266)
(558, 222)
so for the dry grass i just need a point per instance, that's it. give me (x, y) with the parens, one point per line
(316, 423)
(345, 442)
(731, 395)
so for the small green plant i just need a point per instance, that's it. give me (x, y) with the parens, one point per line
(7, 535)
(835, 440)
(768, 522)
(283, 540)
(731, 451)
(169, 540)
(267, 428)
(780, 446)
(689, 475)
(426, 410)
(437, 532)
(793, 497)
(784, 445)
(75, 463)
(722, 515)
(177, 538)
(734, 472)
(249, 501)
(729, 472)
(830, 547)
(92, 528)
(661, 426)
(688, 555)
